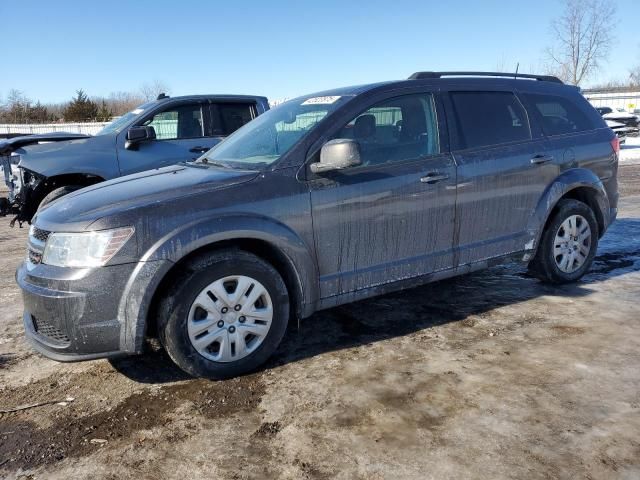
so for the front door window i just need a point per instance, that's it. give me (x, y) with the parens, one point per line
(396, 130)
(176, 123)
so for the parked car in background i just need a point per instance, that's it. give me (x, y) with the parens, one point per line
(324, 200)
(159, 133)
(620, 129)
(629, 120)
(604, 110)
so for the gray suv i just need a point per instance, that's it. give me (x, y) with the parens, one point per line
(324, 200)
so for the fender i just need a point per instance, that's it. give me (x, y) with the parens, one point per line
(563, 184)
(178, 244)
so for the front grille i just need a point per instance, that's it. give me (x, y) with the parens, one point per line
(50, 331)
(41, 235)
(34, 257)
(37, 241)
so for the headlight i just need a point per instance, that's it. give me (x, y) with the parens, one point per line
(83, 250)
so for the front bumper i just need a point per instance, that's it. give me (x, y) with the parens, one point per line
(73, 314)
(10, 175)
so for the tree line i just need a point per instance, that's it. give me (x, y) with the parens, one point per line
(18, 108)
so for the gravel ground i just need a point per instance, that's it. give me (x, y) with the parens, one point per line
(490, 375)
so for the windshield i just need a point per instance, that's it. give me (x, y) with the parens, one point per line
(119, 123)
(264, 140)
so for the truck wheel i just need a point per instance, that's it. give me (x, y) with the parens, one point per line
(568, 244)
(224, 316)
(57, 193)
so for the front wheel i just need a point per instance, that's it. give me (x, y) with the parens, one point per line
(225, 315)
(568, 244)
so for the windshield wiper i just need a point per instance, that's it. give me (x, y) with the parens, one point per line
(213, 163)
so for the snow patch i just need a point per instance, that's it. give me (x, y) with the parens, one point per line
(630, 151)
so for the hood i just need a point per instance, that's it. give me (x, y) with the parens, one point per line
(78, 210)
(10, 145)
(69, 156)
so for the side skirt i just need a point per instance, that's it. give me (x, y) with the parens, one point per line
(412, 282)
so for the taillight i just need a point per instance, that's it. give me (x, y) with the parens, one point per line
(615, 144)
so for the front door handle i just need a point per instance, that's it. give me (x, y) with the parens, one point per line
(540, 159)
(434, 177)
(199, 149)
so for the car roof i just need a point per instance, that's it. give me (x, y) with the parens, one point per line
(216, 96)
(449, 81)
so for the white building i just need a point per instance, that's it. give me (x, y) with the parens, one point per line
(624, 98)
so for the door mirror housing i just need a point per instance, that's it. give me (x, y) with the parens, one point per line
(338, 154)
(137, 135)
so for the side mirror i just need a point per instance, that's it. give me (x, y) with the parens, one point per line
(137, 135)
(338, 154)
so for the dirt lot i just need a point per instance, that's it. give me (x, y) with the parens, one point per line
(492, 375)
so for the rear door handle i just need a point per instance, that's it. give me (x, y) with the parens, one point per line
(434, 177)
(540, 159)
(199, 149)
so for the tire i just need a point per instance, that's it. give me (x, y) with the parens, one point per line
(212, 281)
(57, 193)
(575, 253)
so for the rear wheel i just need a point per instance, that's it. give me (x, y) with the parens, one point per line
(225, 316)
(568, 244)
(57, 193)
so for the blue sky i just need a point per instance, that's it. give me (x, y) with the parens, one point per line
(276, 48)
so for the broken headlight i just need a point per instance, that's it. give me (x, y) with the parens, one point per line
(86, 249)
(29, 178)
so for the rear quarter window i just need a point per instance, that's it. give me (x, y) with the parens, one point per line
(489, 118)
(559, 115)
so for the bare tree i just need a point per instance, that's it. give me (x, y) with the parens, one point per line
(120, 102)
(17, 106)
(583, 39)
(150, 91)
(501, 64)
(634, 76)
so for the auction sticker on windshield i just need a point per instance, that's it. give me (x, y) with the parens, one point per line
(321, 100)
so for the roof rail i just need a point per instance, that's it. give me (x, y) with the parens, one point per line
(541, 78)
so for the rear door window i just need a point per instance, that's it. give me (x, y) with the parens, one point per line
(559, 115)
(489, 118)
(229, 117)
